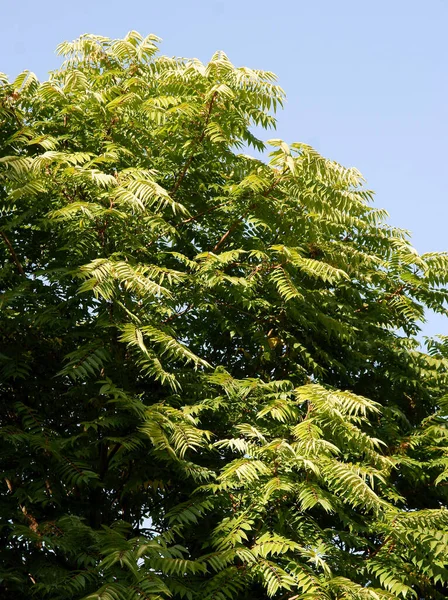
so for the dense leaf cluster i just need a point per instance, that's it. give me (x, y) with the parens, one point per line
(211, 385)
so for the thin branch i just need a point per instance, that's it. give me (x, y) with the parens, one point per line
(236, 223)
(232, 228)
(397, 292)
(182, 312)
(196, 144)
(205, 212)
(107, 458)
(195, 217)
(33, 524)
(12, 252)
(12, 110)
(244, 312)
(274, 184)
(380, 547)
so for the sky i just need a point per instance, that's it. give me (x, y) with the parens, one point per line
(366, 80)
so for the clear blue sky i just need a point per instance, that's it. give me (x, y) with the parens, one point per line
(366, 80)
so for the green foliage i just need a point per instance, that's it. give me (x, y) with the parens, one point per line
(211, 382)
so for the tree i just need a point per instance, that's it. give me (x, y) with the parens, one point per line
(212, 384)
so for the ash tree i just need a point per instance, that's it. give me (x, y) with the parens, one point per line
(212, 382)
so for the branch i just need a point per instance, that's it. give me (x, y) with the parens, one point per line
(231, 229)
(274, 184)
(198, 141)
(113, 452)
(33, 524)
(12, 252)
(235, 224)
(380, 547)
(205, 212)
(244, 312)
(182, 312)
(397, 292)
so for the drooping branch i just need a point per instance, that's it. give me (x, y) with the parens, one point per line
(12, 252)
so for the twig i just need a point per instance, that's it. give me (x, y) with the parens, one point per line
(12, 252)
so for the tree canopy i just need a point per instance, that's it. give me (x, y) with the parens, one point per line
(212, 380)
